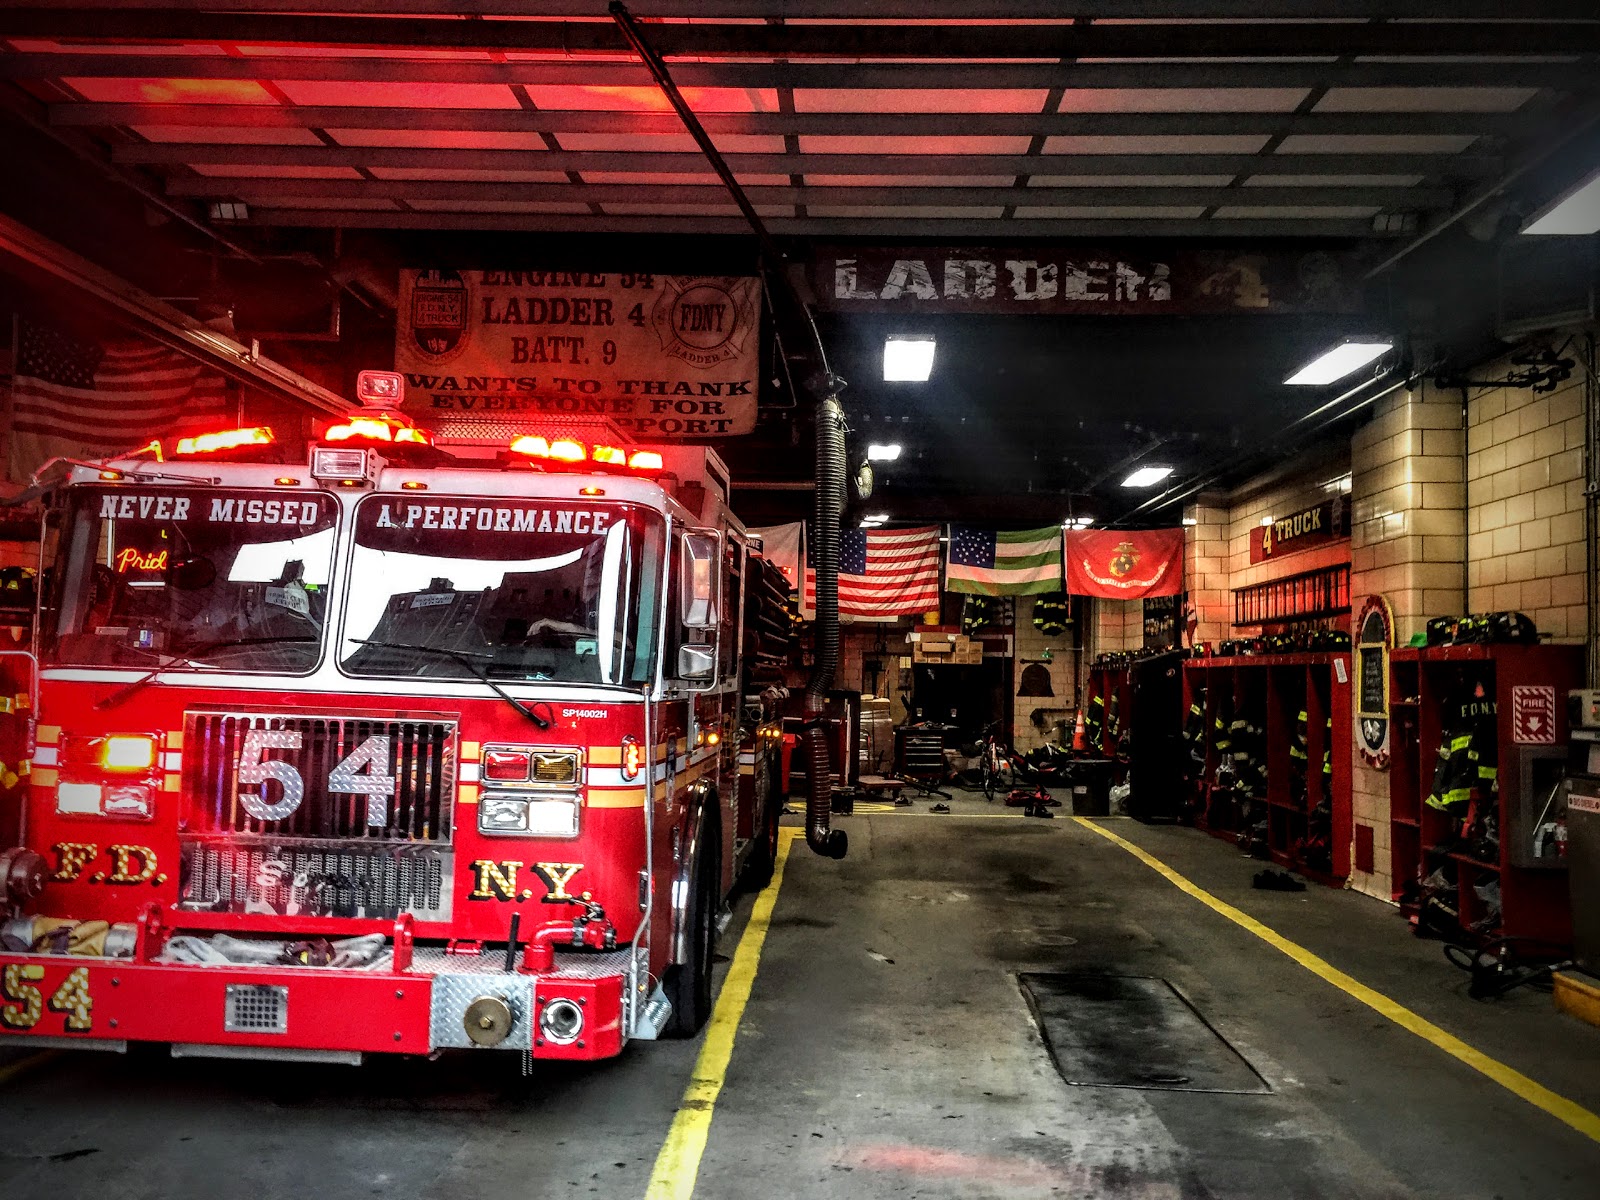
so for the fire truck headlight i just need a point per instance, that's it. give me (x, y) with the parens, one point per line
(502, 814)
(79, 798)
(127, 753)
(129, 800)
(561, 1022)
(546, 817)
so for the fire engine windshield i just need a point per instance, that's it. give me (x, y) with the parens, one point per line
(210, 578)
(512, 589)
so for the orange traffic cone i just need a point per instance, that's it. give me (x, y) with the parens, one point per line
(1080, 734)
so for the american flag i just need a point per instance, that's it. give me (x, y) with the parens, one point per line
(83, 400)
(885, 573)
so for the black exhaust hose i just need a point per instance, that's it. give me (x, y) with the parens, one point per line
(829, 512)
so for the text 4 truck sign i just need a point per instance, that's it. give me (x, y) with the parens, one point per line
(663, 356)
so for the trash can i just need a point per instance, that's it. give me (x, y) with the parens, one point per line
(1090, 779)
(1583, 869)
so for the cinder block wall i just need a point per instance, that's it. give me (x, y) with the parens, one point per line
(1063, 667)
(1408, 510)
(1524, 470)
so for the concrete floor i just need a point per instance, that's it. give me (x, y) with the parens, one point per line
(887, 1052)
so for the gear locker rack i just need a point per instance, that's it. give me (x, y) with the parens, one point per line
(1280, 687)
(1534, 899)
(1110, 697)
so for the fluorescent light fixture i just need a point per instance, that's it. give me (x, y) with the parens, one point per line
(1145, 476)
(881, 453)
(907, 359)
(1084, 522)
(1265, 521)
(874, 520)
(1344, 358)
(1191, 521)
(1574, 215)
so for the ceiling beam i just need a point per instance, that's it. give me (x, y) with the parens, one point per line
(1253, 39)
(267, 192)
(228, 153)
(814, 227)
(655, 124)
(1530, 10)
(1576, 74)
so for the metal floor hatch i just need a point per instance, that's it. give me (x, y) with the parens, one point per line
(1133, 1031)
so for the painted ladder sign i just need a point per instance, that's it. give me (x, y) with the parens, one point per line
(665, 357)
(1303, 530)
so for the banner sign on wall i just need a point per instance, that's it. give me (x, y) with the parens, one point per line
(665, 357)
(1115, 564)
(1086, 281)
(1304, 530)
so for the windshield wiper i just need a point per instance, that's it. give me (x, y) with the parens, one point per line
(189, 653)
(470, 661)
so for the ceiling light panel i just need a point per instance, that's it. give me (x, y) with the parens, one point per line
(907, 359)
(1146, 477)
(1340, 361)
(1575, 214)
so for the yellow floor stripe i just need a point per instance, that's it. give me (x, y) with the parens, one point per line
(678, 1165)
(1567, 1111)
(10, 1071)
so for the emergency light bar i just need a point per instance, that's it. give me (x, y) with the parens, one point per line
(227, 439)
(377, 429)
(570, 452)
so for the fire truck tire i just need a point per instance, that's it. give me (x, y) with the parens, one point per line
(688, 984)
(764, 854)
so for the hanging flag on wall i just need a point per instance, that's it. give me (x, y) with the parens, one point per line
(1023, 562)
(884, 573)
(78, 399)
(1116, 564)
(784, 546)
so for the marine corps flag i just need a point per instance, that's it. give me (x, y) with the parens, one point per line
(1116, 564)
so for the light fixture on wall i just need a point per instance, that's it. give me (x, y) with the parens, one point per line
(908, 358)
(874, 520)
(1349, 355)
(1146, 476)
(1191, 521)
(877, 452)
(1575, 214)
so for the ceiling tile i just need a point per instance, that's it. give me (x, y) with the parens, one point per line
(1152, 181)
(671, 143)
(438, 139)
(919, 100)
(227, 135)
(262, 171)
(906, 210)
(694, 210)
(170, 91)
(568, 97)
(1333, 181)
(461, 175)
(941, 144)
(499, 206)
(368, 94)
(910, 181)
(681, 178)
(1153, 212)
(1186, 143)
(1414, 143)
(1426, 99)
(328, 202)
(1298, 212)
(1156, 100)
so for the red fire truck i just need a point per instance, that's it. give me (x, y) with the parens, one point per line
(366, 745)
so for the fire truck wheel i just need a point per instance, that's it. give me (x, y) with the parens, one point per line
(764, 854)
(688, 985)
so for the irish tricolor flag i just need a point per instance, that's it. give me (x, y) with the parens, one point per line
(989, 563)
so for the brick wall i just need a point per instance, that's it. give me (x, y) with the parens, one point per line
(1408, 534)
(1524, 500)
(1063, 667)
(1205, 568)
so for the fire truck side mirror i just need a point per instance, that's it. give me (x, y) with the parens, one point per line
(696, 662)
(699, 581)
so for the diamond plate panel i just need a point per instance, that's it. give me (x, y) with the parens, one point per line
(453, 993)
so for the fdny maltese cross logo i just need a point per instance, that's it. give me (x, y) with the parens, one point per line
(1125, 560)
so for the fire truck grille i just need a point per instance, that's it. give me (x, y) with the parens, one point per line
(298, 879)
(403, 776)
